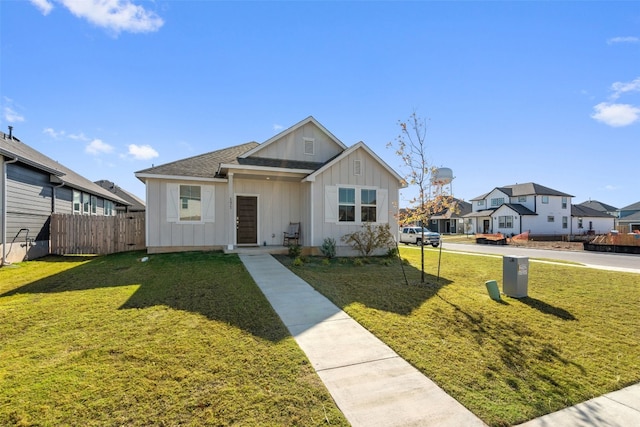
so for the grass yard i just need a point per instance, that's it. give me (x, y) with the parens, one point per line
(183, 339)
(575, 337)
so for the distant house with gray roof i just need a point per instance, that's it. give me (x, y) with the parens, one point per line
(601, 207)
(135, 203)
(629, 216)
(248, 194)
(32, 187)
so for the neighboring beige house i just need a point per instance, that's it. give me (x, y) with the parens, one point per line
(247, 195)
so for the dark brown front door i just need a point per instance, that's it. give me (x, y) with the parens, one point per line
(246, 220)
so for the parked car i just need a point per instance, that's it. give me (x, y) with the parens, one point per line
(414, 235)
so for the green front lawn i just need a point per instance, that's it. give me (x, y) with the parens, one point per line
(575, 337)
(183, 339)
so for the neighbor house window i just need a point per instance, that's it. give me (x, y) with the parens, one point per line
(108, 207)
(480, 202)
(505, 221)
(497, 201)
(564, 203)
(190, 203)
(580, 223)
(347, 204)
(368, 205)
(565, 222)
(308, 145)
(94, 205)
(550, 218)
(522, 199)
(77, 201)
(545, 199)
(86, 203)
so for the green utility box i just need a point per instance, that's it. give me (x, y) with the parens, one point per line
(515, 276)
(492, 288)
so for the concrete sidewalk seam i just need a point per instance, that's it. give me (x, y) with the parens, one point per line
(358, 364)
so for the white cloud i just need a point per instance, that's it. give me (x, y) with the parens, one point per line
(277, 127)
(78, 136)
(114, 15)
(44, 5)
(12, 116)
(142, 152)
(98, 147)
(53, 133)
(619, 88)
(616, 115)
(623, 40)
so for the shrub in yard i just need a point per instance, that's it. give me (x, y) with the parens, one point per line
(369, 238)
(328, 247)
(392, 252)
(343, 260)
(298, 262)
(294, 251)
(326, 261)
(358, 262)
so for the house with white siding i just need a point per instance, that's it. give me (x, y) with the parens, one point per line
(32, 187)
(589, 221)
(248, 194)
(514, 209)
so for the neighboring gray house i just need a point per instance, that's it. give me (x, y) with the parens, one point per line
(602, 207)
(247, 195)
(135, 203)
(629, 216)
(451, 220)
(32, 187)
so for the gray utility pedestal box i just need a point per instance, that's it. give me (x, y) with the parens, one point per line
(515, 276)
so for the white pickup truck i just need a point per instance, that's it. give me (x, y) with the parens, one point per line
(414, 235)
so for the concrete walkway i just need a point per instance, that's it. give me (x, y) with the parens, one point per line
(369, 382)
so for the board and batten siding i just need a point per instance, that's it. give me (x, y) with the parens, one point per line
(162, 231)
(343, 174)
(291, 146)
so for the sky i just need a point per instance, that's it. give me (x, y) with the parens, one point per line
(512, 91)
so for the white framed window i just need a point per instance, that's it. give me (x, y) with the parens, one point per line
(309, 146)
(497, 201)
(505, 221)
(580, 223)
(94, 205)
(108, 208)
(480, 202)
(565, 222)
(368, 205)
(357, 167)
(545, 199)
(551, 218)
(564, 203)
(190, 203)
(86, 203)
(522, 199)
(346, 204)
(77, 201)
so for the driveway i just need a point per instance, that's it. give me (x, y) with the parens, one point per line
(608, 261)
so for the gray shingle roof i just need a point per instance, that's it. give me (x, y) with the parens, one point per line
(632, 207)
(521, 209)
(582, 210)
(279, 163)
(135, 203)
(529, 188)
(29, 156)
(204, 165)
(599, 206)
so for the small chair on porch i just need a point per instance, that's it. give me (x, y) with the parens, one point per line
(292, 234)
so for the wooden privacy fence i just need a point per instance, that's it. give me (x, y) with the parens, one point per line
(85, 234)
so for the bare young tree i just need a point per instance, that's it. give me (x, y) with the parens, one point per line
(411, 146)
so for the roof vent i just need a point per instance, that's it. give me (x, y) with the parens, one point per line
(10, 132)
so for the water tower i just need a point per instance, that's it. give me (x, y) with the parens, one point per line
(442, 177)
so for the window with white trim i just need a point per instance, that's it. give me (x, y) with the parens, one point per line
(368, 204)
(580, 223)
(564, 203)
(505, 221)
(522, 199)
(551, 218)
(480, 202)
(86, 203)
(545, 199)
(108, 208)
(346, 204)
(565, 222)
(190, 203)
(497, 201)
(94, 205)
(77, 201)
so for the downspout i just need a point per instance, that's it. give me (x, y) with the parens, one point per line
(4, 209)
